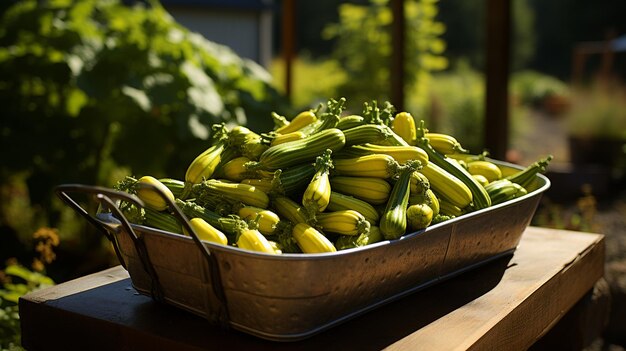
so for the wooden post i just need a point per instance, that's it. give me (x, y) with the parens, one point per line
(578, 65)
(608, 57)
(397, 54)
(288, 35)
(497, 71)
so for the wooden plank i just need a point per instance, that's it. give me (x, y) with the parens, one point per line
(583, 324)
(481, 309)
(78, 285)
(536, 291)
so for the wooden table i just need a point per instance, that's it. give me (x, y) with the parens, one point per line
(507, 304)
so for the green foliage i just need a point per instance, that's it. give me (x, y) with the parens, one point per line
(9, 327)
(18, 281)
(29, 281)
(598, 111)
(88, 86)
(523, 42)
(457, 106)
(465, 28)
(465, 21)
(582, 215)
(458, 96)
(532, 88)
(93, 90)
(308, 92)
(363, 48)
(91, 87)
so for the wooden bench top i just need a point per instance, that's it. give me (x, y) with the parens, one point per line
(507, 304)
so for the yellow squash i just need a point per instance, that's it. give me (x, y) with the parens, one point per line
(151, 191)
(206, 232)
(311, 240)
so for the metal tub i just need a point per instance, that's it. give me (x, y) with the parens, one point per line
(289, 297)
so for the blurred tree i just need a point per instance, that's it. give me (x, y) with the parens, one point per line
(93, 90)
(465, 34)
(544, 32)
(464, 20)
(523, 35)
(363, 47)
(90, 85)
(311, 18)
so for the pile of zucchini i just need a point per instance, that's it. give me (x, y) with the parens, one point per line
(325, 181)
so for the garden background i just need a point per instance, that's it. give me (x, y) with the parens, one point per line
(92, 91)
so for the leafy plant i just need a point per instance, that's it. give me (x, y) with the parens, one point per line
(82, 85)
(9, 327)
(533, 88)
(363, 48)
(17, 280)
(457, 105)
(307, 92)
(89, 87)
(466, 20)
(580, 216)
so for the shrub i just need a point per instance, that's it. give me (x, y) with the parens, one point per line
(90, 86)
(83, 84)
(533, 88)
(363, 48)
(456, 106)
